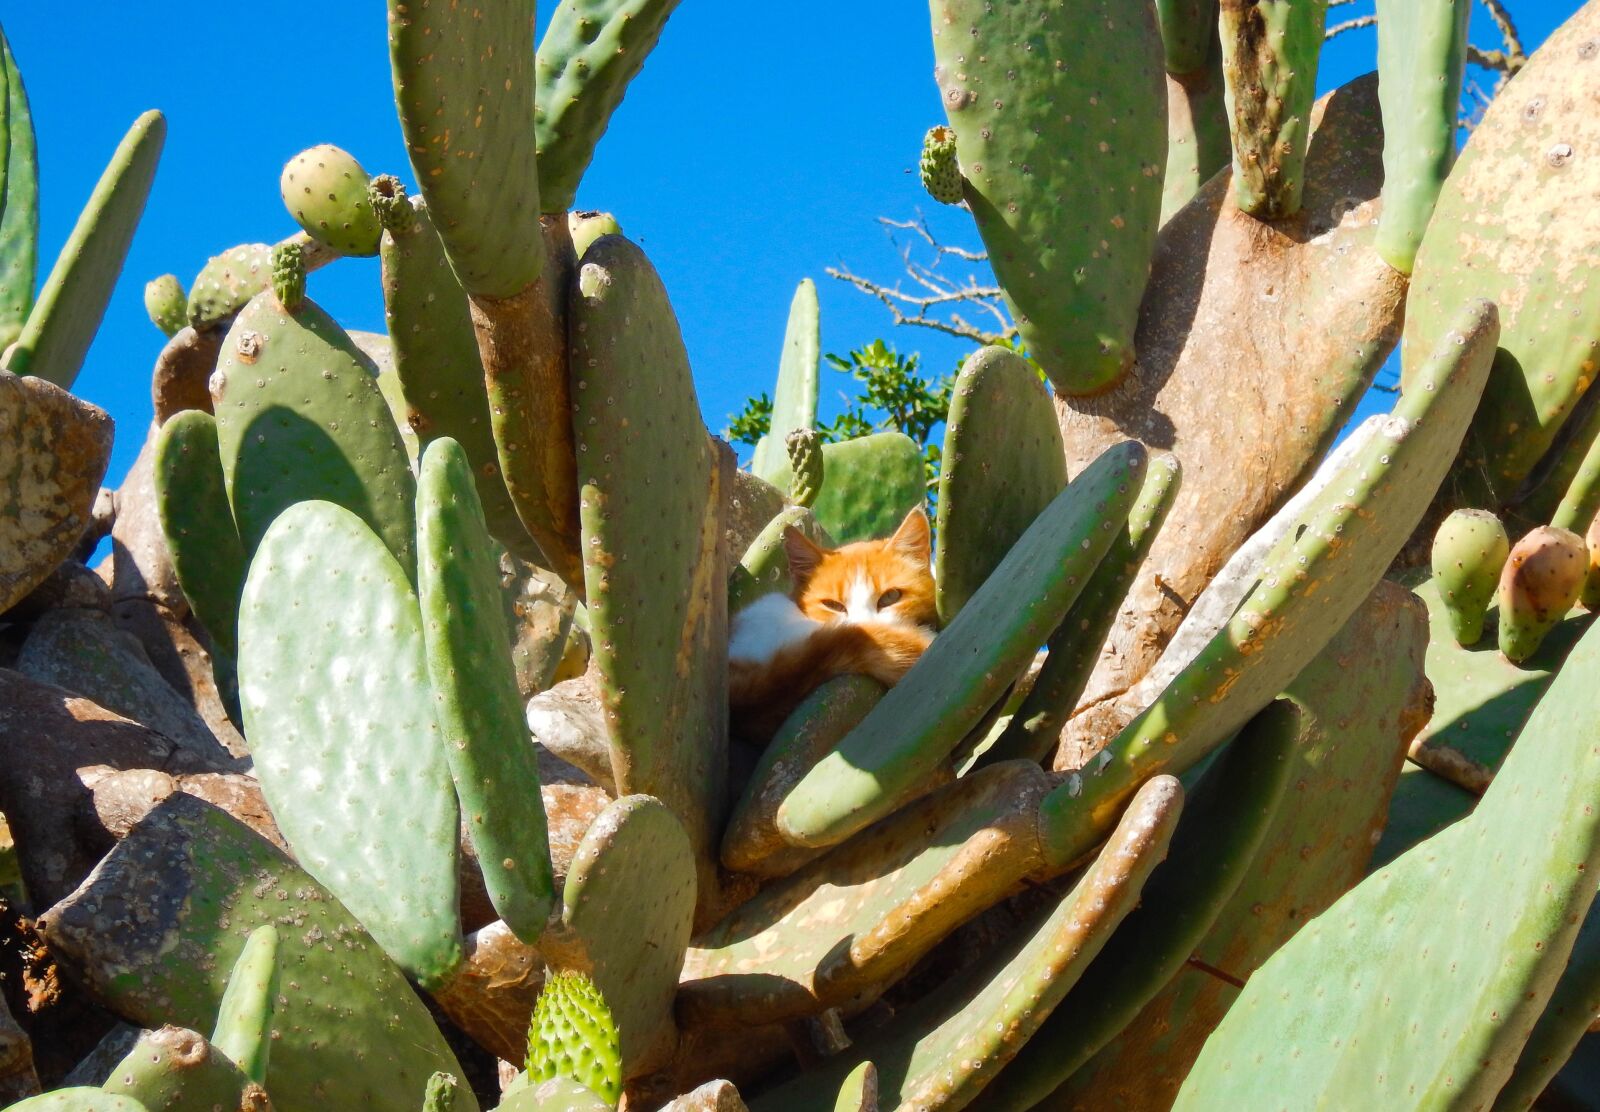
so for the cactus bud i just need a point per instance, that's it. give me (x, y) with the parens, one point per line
(1469, 550)
(289, 275)
(325, 190)
(389, 201)
(441, 1093)
(1540, 583)
(573, 1035)
(941, 176)
(586, 227)
(805, 461)
(166, 303)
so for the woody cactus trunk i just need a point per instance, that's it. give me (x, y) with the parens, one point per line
(396, 720)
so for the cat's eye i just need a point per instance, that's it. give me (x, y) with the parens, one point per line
(889, 597)
(833, 604)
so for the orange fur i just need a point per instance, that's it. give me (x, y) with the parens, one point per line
(875, 600)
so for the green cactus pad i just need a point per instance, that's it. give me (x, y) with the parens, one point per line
(1075, 646)
(968, 667)
(1059, 114)
(477, 702)
(558, 1094)
(1308, 587)
(1563, 1023)
(869, 485)
(794, 401)
(66, 315)
(629, 904)
(192, 502)
(939, 167)
(1188, 33)
(1002, 465)
(174, 1068)
(1438, 997)
(586, 227)
(1519, 248)
(651, 481)
(79, 1099)
(205, 883)
(440, 373)
(346, 744)
(464, 85)
(1469, 550)
(19, 204)
(1225, 822)
(572, 1035)
(943, 1051)
(325, 190)
(299, 417)
(166, 303)
(590, 52)
(1422, 54)
(227, 282)
(243, 1031)
(1198, 143)
(764, 568)
(1270, 51)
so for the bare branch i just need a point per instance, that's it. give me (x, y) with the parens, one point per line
(910, 309)
(1350, 25)
(1508, 32)
(1497, 60)
(920, 226)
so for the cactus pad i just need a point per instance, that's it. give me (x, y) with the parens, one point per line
(166, 303)
(227, 282)
(19, 206)
(573, 1035)
(80, 1099)
(173, 1068)
(243, 1031)
(326, 191)
(794, 402)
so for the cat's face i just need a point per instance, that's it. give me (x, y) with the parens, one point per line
(887, 581)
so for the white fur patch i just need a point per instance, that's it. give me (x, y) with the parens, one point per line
(860, 599)
(766, 626)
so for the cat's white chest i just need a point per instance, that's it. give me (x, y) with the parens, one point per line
(767, 626)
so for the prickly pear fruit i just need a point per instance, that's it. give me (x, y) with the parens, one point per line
(1469, 550)
(1591, 585)
(586, 227)
(388, 197)
(805, 461)
(1541, 580)
(440, 1095)
(325, 190)
(941, 176)
(166, 303)
(289, 275)
(573, 1035)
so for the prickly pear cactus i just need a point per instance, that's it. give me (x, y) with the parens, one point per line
(941, 173)
(166, 303)
(573, 1035)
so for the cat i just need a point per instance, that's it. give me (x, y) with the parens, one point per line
(861, 609)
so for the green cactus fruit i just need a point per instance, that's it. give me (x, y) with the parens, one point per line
(941, 172)
(178, 1069)
(1422, 54)
(440, 1095)
(79, 1099)
(197, 522)
(1001, 466)
(794, 401)
(326, 191)
(166, 303)
(1188, 31)
(764, 567)
(1270, 51)
(1308, 586)
(1591, 582)
(464, 86)
(1064, 181)
(1518, 249)
(387, 195)
(586, 227)
(300, 416)
(289, 276)
(66, 315)
(590, 52)
(967, 669)
(227, 282)
(243, 1032)
(872, 482)
(573, 1035)
(1075, 646)
(19, 203)
(359, 785)
(651, 479)
(1437, 997)
(1469, 550)
(805, 466)
(943, 1051)
(628, 909)
(1541, 580)
(477, 701)
(1225, 821)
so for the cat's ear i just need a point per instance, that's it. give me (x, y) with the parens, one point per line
(804, 555)
(912, 537)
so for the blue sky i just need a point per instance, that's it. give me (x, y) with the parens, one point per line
(758, 147)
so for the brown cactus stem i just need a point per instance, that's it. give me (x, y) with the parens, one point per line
(183, 372)
(522, 341)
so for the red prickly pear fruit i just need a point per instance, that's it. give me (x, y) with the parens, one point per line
(1541, 581)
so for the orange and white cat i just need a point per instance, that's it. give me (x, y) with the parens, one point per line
(864, 609)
